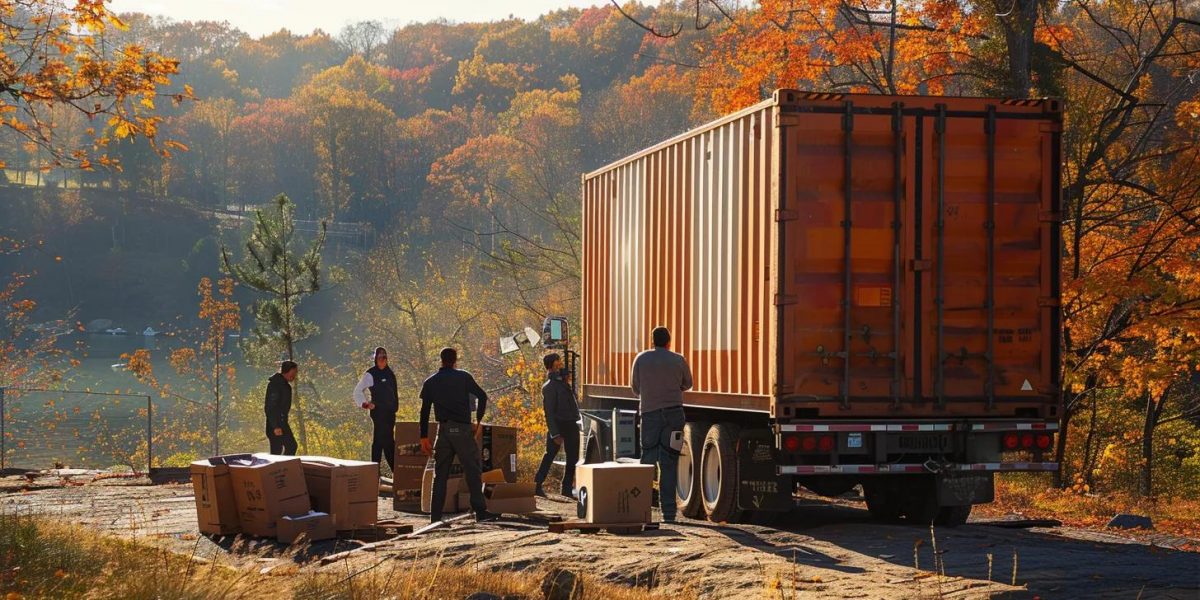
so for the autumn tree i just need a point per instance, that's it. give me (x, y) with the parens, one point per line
(514, 196)
(351, 129)
(53, 53)
(276, 266)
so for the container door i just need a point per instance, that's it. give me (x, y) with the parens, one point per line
(845, 285)
(985, 226)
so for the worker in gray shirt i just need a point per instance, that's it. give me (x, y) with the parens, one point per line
(659, 379)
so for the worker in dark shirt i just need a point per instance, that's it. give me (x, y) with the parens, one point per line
(382, 404)
(277, 406)
(448, 392)
(562, 425)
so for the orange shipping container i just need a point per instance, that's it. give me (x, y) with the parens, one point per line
(828, 255)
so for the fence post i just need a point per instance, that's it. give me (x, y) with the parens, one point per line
(149, 434)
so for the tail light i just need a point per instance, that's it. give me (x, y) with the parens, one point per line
(1043, 441)
(1012, 441)
(826, 443)
(791, 443)
(1027, 441)
(809, 443)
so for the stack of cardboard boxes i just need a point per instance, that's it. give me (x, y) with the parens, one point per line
(275, 496)
(498, 459)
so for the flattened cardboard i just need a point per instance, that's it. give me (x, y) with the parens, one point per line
(615, 492)
(314, 526)
(216, 511)
(267, 489)
(346, 489)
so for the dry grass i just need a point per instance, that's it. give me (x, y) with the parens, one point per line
(1033, 497)
(43, 559)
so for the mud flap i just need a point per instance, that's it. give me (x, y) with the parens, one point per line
(961, 489)
(759, 486)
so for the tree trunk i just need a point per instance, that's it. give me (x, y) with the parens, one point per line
(1153, 412)
(1060, 446)
(1018, 26)
(1089, 454)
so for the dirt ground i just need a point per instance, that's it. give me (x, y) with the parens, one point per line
(822, 549)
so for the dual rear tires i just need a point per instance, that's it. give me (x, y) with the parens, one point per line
(708, 472)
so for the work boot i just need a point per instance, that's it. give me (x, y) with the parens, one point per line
(484, 516)
(538, 491)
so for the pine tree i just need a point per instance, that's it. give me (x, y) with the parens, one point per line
(275, 266)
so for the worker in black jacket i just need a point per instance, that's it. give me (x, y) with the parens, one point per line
(562, 425)
(277, 406)
(383, 404)
(449, 393)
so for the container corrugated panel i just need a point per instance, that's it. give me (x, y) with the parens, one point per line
(830, 255)
(679, 235)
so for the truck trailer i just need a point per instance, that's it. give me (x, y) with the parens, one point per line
(866, 288)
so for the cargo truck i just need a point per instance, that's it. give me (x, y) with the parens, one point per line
(867, 290)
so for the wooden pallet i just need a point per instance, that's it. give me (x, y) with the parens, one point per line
(585, 527)
(382, 531)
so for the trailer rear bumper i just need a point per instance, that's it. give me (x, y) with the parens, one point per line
(1004, 467)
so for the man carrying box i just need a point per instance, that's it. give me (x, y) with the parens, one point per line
(448, 392)
(562, 425)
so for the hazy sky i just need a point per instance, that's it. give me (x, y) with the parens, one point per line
(258, 17)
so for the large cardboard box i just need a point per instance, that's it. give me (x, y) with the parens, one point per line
(498, 449)
(615, 492)
(348, 490)
(453, 484)
(216, 511)
(266, 488)
(314, 526)
(410, 465)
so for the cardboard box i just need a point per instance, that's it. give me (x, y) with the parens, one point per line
(267, 488)
(511, 498)
(314, 526)
(348, 490)
(452, 487)
(216, 511)
(410, 464)
(498, 449)
(615, 492)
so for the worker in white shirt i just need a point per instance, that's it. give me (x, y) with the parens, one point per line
(383, 403)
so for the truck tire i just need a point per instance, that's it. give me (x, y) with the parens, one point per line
(882, 501)
(718, 474)
(688, 495)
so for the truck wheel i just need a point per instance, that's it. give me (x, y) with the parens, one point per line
(953, 516)
(687, 496)
(881, 501)
(718, 475)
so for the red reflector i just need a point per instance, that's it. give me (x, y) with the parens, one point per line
(791, 443)
(1011, 441)
(1027, 440)
(1043, 441)
(826, 443)
(809, 443)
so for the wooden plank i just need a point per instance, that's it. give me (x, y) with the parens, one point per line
(584, 527)
(392, 540)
